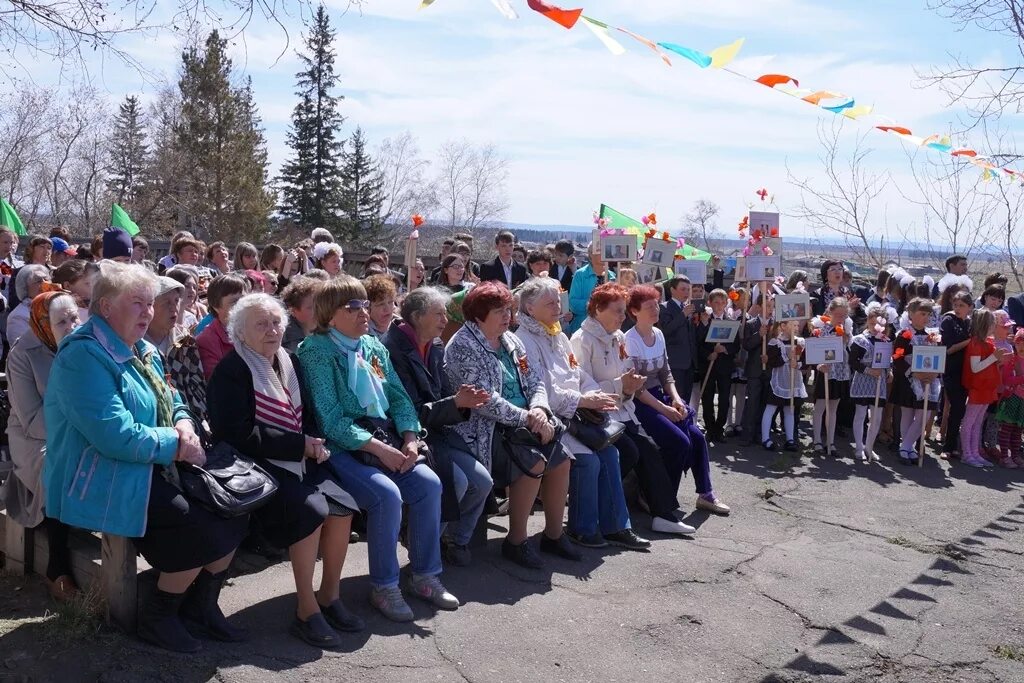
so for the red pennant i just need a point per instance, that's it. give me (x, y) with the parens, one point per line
(895, 129)
(562, 17)
(772, 80)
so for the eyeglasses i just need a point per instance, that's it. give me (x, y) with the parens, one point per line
(355, 305)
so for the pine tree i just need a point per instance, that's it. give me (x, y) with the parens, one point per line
(222, 148)
(310, 180)
(362, 191)
(128, 154)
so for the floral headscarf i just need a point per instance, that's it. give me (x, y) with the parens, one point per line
(39, 317)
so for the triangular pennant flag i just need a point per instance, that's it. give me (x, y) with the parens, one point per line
(649, 43)
(119, 218)
(838, 108)
(603, 33)
(817, 97)
(899, 130)
(699, 58)
(425, 4)
(772, 80)
(562, 17)
(9, 219)
(722, 56)
(858, 111)
(506, 9)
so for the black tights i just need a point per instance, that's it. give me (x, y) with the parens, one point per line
(59, 562)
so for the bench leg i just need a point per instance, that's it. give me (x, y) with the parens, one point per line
(18, 547)
(120, 581)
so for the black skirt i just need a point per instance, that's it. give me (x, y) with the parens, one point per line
(837, 389)
(181, 534)
(298, 508)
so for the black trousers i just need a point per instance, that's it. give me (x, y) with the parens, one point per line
(642, 456)
(753, 409)
(957, 397)
(720, 386)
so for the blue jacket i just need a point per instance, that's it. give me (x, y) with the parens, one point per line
(100, 442)
(583, 283)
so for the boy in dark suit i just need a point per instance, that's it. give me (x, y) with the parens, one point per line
(504, 268)
(680, 333)
(721, 358)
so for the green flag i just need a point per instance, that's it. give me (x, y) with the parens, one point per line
(119, 218)
(620, 221)
(9, 218)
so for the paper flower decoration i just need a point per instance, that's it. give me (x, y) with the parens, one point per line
(524, 366)
(377, 369)
(816, 332)
(645, 220)
(774, 232)
(767, 250)
(622, 352)
(907, 334)
(935, 338)
(898, 353)
(417, 220)
(840, 331)
(879, 329)
(744, 224)
(572, 361)
(762, 193)
(680, 243)
(757, 235)
(734, 295)
(650, 233)
(826, 319)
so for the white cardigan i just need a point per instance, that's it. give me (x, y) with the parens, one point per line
(602, 355)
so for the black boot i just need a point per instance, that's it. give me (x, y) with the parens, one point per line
(160, 625)
(201, 611)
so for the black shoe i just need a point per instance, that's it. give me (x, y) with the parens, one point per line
(202, 613)
(769, 445)
(160, 625)
(341, 619)
(561, 547)
(627, 539)
(833, 452)
(458, 555)
(585, 540)
(523, 554)
(791, 446)
(315, 631)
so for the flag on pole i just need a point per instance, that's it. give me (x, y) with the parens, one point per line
(620, 221)
(119, 218)
(9, 219)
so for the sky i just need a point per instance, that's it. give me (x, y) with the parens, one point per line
(584, 127)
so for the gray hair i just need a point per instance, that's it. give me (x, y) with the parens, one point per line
(32, 270)
(115, 279)
(249, 303)
(535, 289)
(420, 300)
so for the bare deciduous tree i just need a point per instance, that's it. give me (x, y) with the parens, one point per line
(841, 203)
(470, 184)
(700, 225)
(403, 170)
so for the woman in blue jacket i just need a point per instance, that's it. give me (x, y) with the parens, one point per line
(114, 429)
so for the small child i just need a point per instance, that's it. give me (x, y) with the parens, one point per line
(734, 427)
(758, 326)
(1010, 414)
(720, 359)
(868, 383)
(784, 352)
(990, 432)
(908, 390)
(834, 323)
(981, 378)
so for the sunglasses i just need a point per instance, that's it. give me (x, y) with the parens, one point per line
(355, 305)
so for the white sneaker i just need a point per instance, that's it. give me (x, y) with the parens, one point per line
(667, 526)
(859, 455)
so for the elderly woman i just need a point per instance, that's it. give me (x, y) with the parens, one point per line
(600, 350)
(298, 299)
(418, 356)
(257, 405)
(53, 315)
(381, 291)
(28, 284)
(484, 354)
(213, 341)
(329, 257)
(374, 437)
(661, 411)
(114, 429)
(598, 514)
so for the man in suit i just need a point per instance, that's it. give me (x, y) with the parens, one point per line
(504, 268)
(561, 271)
(675, 321)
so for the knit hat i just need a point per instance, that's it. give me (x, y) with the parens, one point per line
(59, 245)
(116, 242)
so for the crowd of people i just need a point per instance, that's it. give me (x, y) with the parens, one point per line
(415, 403)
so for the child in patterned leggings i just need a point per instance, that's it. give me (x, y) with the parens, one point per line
(1010, 414)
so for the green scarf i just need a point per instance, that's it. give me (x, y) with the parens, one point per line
(163, 393)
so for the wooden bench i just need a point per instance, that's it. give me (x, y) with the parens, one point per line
(101, 561)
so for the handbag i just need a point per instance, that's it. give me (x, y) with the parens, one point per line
(594, 429)
(384, 430)
(520, 448)
(228, 484)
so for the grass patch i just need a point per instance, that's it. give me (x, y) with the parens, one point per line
(76, 619)
(1011, 652)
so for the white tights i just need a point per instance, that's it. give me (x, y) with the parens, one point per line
(788, 422)
(819, 413)
(738, 402)
(910, 428)
(865, 443)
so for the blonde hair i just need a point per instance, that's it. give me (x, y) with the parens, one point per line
(332, 295)
(115, 279)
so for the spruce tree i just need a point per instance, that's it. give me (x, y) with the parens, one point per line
(362, 191)
(128, 154)
(310, 180)
(222, 148)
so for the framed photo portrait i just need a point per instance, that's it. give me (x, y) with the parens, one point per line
(764, 268)
(928, 360)
(723, 331)
(659, 253)
(881, 355)
(646, 274)
(618, 248)
(793, 307)
(824, 350)
(696, 271)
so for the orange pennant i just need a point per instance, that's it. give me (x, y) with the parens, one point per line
(817, 97)
(562, 17)
(894, 129)
(964, 153)
(772, 80)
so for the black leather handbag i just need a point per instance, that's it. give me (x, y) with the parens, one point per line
(228, 484)
(595, 429)
(384, 430)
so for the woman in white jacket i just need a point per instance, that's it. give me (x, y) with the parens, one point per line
(600, 349)
(598, 515)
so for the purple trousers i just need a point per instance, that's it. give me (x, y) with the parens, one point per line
(682, 445)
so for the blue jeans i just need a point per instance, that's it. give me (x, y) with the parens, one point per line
(381, 494)
(472, 484)
(597, 503)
